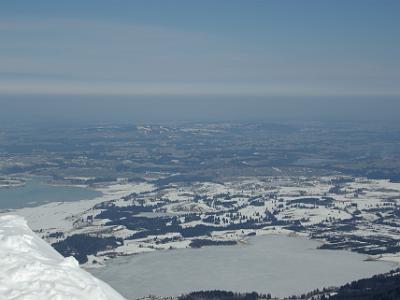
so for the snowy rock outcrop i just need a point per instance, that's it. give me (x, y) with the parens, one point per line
(30, 269)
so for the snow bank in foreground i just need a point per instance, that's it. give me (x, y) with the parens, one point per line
(31, 269)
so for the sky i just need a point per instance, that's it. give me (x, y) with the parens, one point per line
(199, 49)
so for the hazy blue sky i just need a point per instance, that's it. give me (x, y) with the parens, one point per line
(202, 47)
(77, 49)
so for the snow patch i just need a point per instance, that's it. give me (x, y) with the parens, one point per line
(30, 269)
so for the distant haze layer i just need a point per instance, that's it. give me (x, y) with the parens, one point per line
(79, 109)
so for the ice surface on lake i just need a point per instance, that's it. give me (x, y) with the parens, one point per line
(274, 264)
(37, 192)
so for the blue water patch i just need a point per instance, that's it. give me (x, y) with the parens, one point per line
(36, 192)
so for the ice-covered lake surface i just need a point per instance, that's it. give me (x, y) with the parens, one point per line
(36, 191)
(275, 264)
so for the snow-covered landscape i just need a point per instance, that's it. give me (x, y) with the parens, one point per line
(220, 187)
(343, 212)
(199, 150)
(229, 214)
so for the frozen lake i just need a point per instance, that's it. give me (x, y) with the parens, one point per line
(36, 192)
(274, 264)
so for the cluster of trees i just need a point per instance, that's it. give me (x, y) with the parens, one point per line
(82, 245)
(216, 220)
(379, 287)
(181, 178)
(223, 295)
(57, 235)
(163, 225)
(366, 245)
(324, 201)
(166, 224)
(116, 212)
(198, 243)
